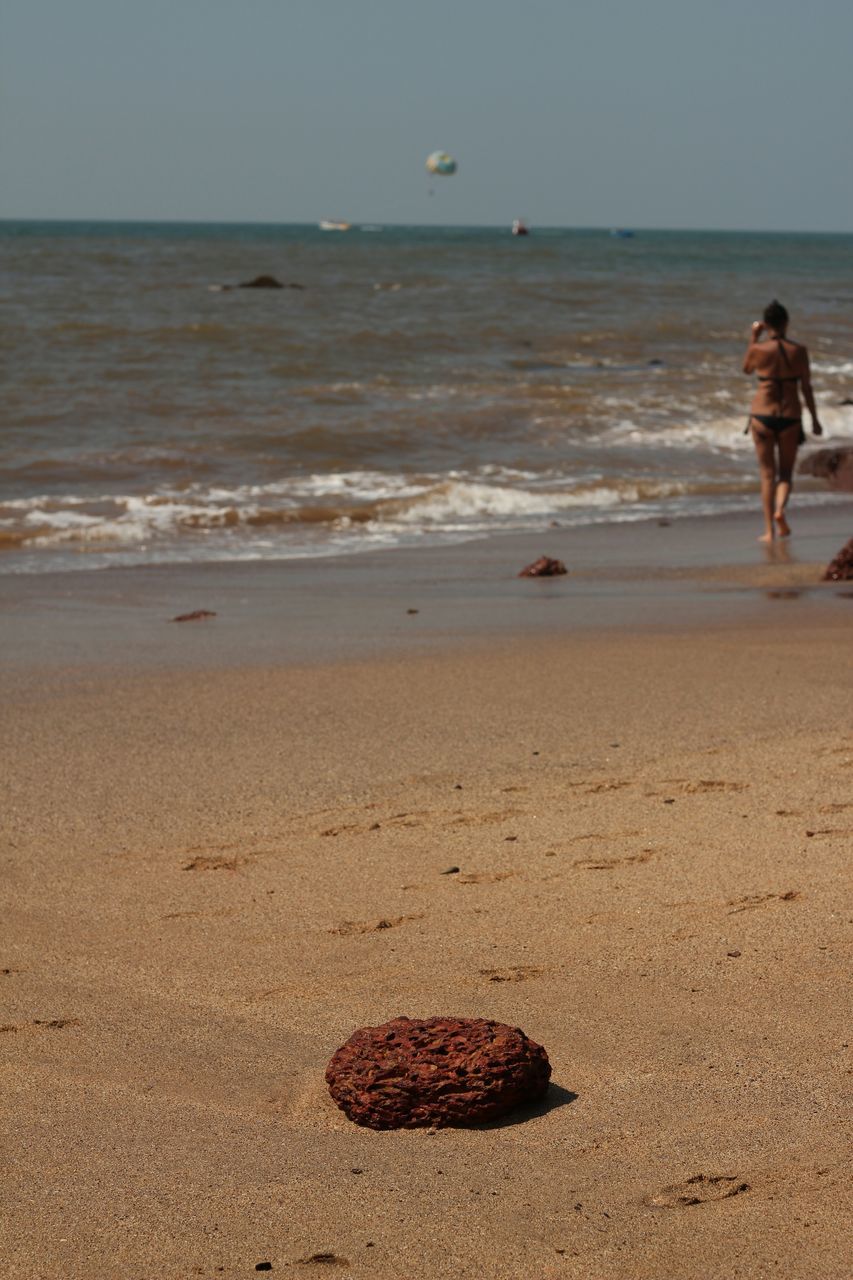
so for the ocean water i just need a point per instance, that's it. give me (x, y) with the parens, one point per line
(424, 383)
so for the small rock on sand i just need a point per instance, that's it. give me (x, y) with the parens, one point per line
(544, 567)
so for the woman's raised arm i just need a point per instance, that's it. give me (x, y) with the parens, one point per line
(754, 339)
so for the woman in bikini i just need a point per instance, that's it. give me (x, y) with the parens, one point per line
(776, 415)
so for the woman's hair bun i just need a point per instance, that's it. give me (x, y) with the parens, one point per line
(775, 315)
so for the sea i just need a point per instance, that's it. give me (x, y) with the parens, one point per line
(409, 385)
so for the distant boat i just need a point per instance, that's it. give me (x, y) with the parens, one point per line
(326, 224)
(520, 228)
(622, 235)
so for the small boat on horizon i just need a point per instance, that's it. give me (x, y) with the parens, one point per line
(520, 228)
(329, 224)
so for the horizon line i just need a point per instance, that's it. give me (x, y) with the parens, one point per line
(450, 226)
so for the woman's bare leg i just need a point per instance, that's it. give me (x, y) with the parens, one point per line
(766, 453)
(788, 445)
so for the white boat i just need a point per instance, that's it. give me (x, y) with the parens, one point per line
(327, 224)
(519, 228)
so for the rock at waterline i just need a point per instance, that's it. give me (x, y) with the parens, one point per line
(544, 567)
(833, 465)
(259, 282)
(841, 568)
(446, 1072)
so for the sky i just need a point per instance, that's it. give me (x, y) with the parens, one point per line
(709, 114)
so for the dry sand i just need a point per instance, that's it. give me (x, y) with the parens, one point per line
(213, 876)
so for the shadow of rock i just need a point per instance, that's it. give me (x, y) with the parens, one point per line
(554, 1097)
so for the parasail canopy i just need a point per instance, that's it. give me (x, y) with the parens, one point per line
(442, 163)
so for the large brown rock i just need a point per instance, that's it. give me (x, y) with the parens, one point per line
(833, 465)
(410, 1073)
(841, 568)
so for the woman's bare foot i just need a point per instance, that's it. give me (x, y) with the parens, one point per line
(782, 525)
(766, 537)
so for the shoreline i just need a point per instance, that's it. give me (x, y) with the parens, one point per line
(697, 572)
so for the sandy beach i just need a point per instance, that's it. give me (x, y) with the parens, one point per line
(226, 845)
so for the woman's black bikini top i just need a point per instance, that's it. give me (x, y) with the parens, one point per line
(779, 380)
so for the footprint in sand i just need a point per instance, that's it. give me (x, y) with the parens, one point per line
(840, 807)
(483, 819)
(206, 862)
(221, 913)
(846, 751)
(484, 877)
(515, 973)
(41, 1024)
(349, 927)
(407, 819)
(421, 818)
(753, 900)
(702, 1188)
(323, 1260)
(704, 786)
(603, 835)
(608, 864)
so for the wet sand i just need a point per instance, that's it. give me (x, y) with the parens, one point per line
(215, 869)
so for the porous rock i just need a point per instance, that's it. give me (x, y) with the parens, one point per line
(841, 568)
(544, 567)
(445, 1072)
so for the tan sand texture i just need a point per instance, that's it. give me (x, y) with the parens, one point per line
(212, 878)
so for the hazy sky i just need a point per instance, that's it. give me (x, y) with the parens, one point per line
(668, 113)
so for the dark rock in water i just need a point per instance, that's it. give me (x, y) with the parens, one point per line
(544, 567)
(654, 362)
(841, 568)
(448, 1072)
(261, 282)
(195, 616)
(846, 400)
(833, 465)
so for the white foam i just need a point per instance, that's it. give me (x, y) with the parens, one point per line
(455, 501)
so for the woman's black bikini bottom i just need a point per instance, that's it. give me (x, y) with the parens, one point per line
(777, 425)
